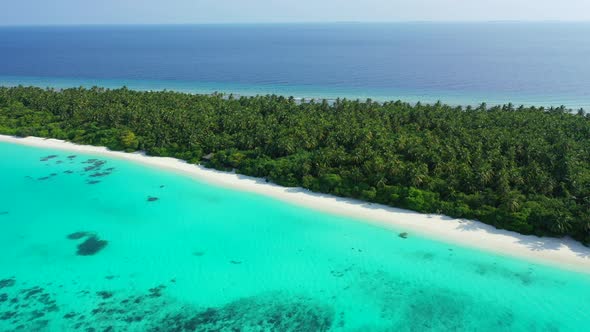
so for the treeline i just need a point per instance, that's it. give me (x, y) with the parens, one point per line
(525, 169)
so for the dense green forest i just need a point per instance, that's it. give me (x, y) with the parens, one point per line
(522, 169)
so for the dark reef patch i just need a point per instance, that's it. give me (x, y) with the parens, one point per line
(71, 156)
(152, 199)
(78, 235)
(44, 178)
(48, 157)
(6, 315)
(69, 172)
(337, 274)
(155, 311)
(70, 315)
(269, 312)
(96, 169)
(96, 166)
(104, 294)
(124, 313)
(29, 309)
(157, 291)
(3, 213)
(343, 272)
(235, 262)
(198, 253)
(30, 292)
(91, 168)
(36, 314)
(91, 246)
(5, 283)
(99, 174)
(403, 235)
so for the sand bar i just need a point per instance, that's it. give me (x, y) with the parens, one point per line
(565, 252)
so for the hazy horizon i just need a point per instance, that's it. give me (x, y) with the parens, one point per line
(293, 23)
(156, 12)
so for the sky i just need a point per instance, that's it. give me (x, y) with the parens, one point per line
(49, 12)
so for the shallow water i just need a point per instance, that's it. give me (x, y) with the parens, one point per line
(184, 255)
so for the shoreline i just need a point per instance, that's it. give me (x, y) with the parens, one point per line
(299, 93)
(563, 253)
(243, 91)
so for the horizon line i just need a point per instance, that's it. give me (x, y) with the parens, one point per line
(290, 22)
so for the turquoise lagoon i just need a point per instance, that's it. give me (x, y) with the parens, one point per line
(182, 255)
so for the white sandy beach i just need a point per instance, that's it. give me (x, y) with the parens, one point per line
(565, 253)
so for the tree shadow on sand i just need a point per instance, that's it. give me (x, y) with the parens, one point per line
(532, 242)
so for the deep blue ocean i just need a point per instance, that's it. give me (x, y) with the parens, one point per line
(460, 63)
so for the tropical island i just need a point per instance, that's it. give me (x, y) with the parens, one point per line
(524, 169)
